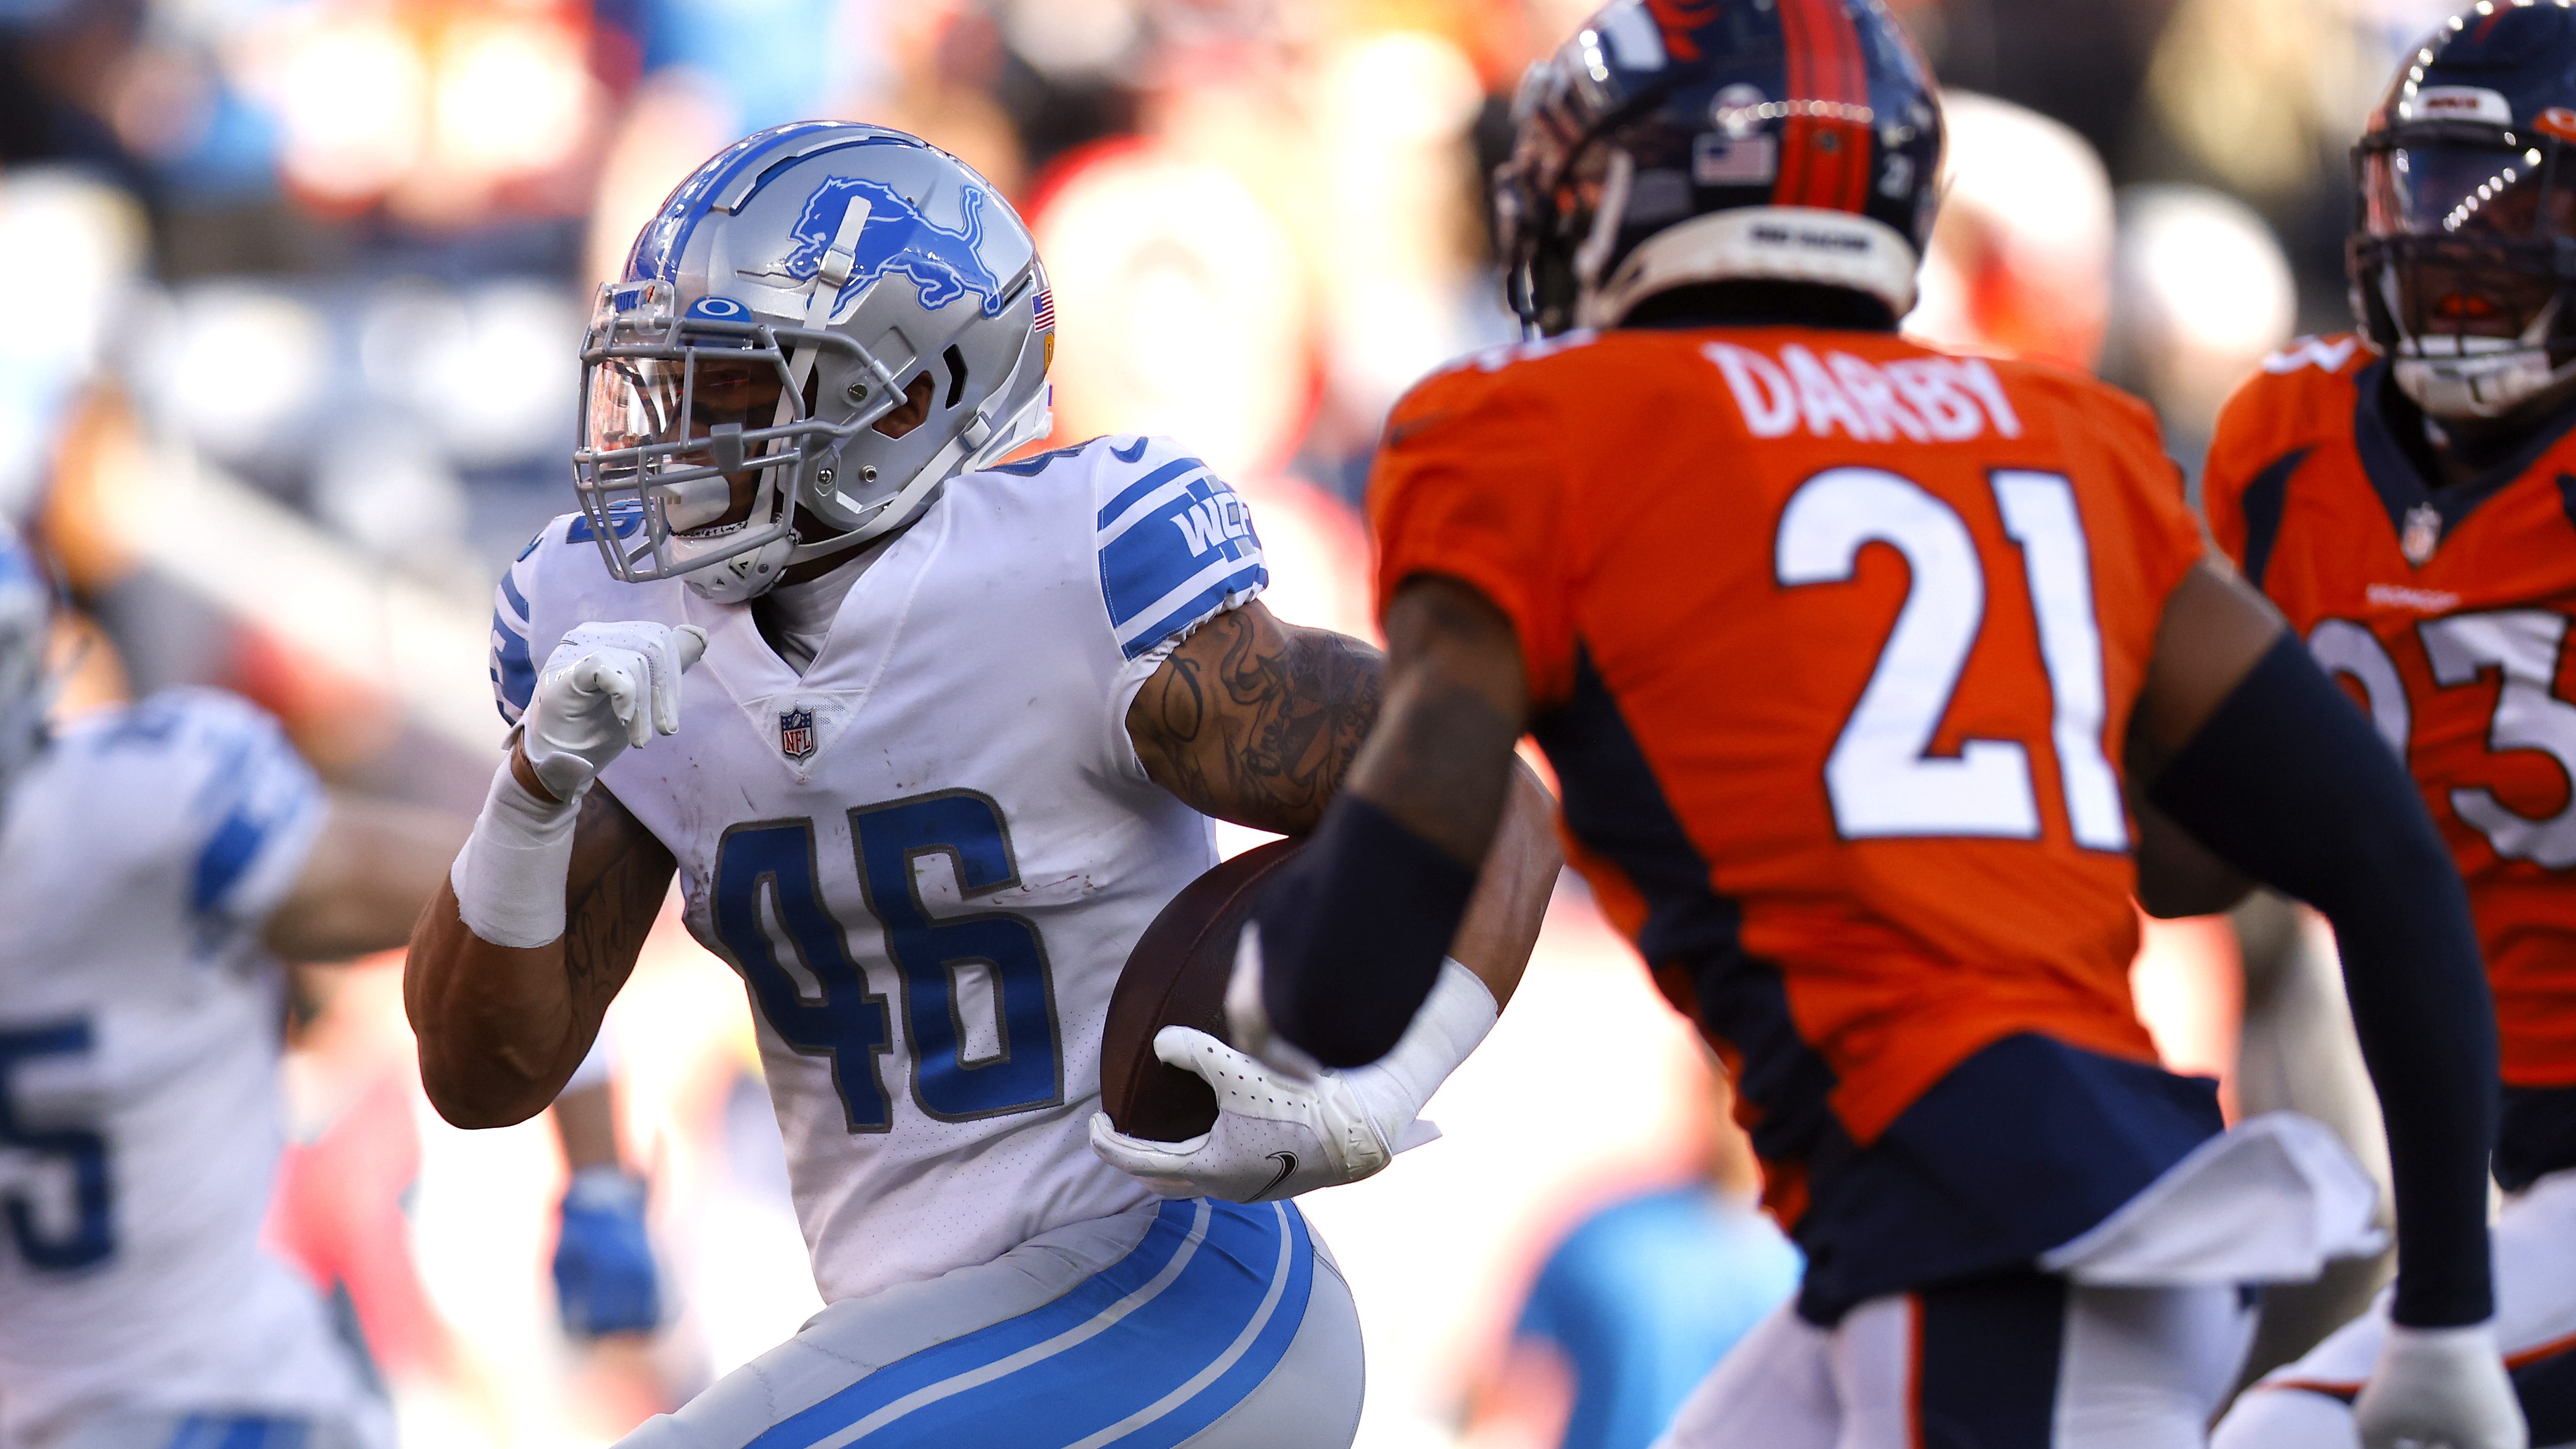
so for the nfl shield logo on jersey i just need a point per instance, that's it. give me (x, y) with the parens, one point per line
(2423, 533)
(796, 734)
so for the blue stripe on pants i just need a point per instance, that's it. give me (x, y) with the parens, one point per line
(247, 1431)
(1146, 1352)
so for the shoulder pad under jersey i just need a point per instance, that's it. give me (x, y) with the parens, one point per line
(1176, 543)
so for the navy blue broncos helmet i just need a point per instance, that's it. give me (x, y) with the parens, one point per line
(1677, 142)
(2463, 257)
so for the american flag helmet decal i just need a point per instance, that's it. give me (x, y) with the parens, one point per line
(1044, 320)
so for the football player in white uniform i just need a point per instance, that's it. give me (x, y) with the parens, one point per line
(155, 861)
(953, 737)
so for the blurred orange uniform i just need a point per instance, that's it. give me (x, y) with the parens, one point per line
(1832, 640)
(2445, 611)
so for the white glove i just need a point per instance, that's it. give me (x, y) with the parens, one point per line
(1275, 1135)
(1279, 1133)
(606, 687)
(2440, 1388)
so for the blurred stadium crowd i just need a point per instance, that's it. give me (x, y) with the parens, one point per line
(296, 289)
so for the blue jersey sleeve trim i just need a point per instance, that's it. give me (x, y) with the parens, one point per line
(1177, 546)
(1128, 495)
(513, 666)
(1196, 610)
(227, 854)
(514, 672)
(262, 800)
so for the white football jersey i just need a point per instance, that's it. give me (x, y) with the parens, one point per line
(929, 855)
(140, 1118)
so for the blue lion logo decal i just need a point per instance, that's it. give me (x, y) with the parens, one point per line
(896, 237)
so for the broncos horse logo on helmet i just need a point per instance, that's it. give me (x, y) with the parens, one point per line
(1676, 143)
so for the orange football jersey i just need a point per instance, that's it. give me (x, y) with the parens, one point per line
(1833, 640)
(2445, 613)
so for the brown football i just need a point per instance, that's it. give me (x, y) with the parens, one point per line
(1176, 976)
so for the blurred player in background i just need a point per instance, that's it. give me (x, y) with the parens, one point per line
(955, 739)
(1840, 647)
(605, 1279)
(1638, 1303)
(152, 858)
(2407, 495)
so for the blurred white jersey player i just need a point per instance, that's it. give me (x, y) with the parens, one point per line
(143, 851)
(906, 802)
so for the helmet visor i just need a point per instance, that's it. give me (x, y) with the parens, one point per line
(2469, 232)
(2471, 191)
(701, 420)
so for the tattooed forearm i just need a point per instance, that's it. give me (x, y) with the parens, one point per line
(619, 876)
(1257, 722)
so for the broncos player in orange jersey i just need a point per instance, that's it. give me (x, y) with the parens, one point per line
(2407, 496)
(1848, 654)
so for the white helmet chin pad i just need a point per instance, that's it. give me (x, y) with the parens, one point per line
(728, 576)
(2478, 382)
(1760, 243)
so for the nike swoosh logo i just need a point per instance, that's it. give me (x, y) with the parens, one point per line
(1287, 1164)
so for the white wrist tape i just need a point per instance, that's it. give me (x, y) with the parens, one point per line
(1453, 1020)
(509, 879)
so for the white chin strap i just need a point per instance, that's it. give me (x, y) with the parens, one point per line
(2478, 383)
(2451, 376)
(1761, 243)
(741, 578)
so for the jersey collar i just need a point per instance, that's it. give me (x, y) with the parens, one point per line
(2413, 505)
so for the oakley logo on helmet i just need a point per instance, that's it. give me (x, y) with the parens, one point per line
(2457, 103)
(1832, 241)
(892, 236)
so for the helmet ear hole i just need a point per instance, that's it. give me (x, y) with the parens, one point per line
(956, 361)
(914, 411)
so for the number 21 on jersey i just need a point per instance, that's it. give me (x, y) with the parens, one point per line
(992, 958)
(1881, 778)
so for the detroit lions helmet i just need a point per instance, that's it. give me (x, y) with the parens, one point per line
(1673, 143)
(2463, 257)
(798, 288)
(26, 623)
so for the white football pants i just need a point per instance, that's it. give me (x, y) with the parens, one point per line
(2308, 1404)
(2027, 1361)
(1213, 1324)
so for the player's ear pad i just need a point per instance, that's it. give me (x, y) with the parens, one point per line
(1176, 976)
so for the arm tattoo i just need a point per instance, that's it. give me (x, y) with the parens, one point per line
(620, 874)
(1257, 722)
